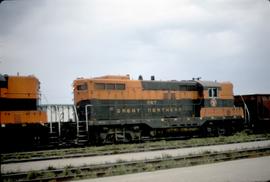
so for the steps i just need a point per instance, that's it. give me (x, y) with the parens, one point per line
(82, 133)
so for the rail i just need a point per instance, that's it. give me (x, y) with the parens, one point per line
(127, 167)
(90, 152)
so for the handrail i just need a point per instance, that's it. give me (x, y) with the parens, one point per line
(86, 114)
(247, 118)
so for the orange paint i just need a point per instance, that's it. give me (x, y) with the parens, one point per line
(21, 87)
(134, 91)
(23, 117)
(221, 112)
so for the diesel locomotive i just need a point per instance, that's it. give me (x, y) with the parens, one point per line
(21, 122)
(120, 109)
(117, 109)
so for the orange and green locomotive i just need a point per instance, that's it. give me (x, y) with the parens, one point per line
(120, 109)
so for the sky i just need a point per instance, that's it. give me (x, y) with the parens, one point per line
(61, 40)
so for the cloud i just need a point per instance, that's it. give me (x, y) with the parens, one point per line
(61, 40)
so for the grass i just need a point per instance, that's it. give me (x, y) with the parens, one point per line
(50, 168)
(32, 175)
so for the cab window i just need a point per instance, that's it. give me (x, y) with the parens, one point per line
(82, 87)
(213, 92)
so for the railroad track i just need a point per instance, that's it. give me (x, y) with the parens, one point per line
(120, 149)
(127, 167)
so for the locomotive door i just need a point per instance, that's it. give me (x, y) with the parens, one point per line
(170, 104)
(199, 103)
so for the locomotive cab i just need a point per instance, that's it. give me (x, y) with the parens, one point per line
(209, 92)
(218, 100)
(218, 107)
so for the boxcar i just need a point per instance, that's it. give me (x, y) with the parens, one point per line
(257, 110)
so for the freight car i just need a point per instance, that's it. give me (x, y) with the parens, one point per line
(21, 122)
(118, 109)
(257, 110)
